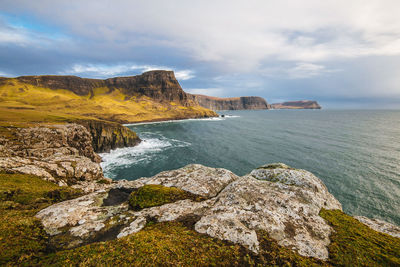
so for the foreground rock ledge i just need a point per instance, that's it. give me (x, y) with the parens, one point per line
(275, 198)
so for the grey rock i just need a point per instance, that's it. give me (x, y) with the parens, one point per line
(380, 226)
(277, 199)
(58, 153)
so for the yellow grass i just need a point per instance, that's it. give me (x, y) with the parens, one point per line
(43, 104)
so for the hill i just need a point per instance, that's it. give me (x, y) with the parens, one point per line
(152, 96)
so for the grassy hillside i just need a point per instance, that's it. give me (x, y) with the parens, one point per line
(25, 102)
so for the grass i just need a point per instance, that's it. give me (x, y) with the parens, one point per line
(156, 195)
(166, 244)
(24, 242)
(22, 237)
(26, 102)
(355, 244)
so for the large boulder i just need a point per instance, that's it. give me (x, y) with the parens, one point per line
(282, 201)
(274, 199)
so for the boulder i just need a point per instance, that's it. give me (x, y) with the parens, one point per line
(276, 199)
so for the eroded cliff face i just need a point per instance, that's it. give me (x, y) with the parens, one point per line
(159, 85)
(108, 135)
(303, 104)
(62, 154)
(233, 103)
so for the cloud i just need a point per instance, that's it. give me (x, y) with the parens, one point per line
(277, 49)
(301, 70)
(219, 92)
(106, 71)
(246, 34)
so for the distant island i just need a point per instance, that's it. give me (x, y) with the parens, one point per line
(303, 104)
(250, 102)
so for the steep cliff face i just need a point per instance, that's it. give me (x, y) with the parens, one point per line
(107, 135)
(303, 104)
(160, 85)
(233, 103)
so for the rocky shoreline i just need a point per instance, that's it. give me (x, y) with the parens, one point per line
(274, 200)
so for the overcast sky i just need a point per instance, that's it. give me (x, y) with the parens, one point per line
(344, 54)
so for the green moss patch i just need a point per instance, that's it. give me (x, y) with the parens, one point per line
(355, 244)
(22, 237)
(156, 195)
(272, 254)
(161, 244)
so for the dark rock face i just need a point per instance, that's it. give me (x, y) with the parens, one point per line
(158, 84)
(233, 103)
(303, 104)
(108, 135)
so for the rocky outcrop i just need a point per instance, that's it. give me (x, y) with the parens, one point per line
(303, 104)
(159, 85)
(59, 153)
(108, 135)
(276, 199)
(233, 103)
(380, 226)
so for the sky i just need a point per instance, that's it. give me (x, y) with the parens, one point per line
(344, 54)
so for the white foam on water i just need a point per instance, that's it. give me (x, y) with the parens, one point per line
(172, 121)
(232, 116)
(145, 151)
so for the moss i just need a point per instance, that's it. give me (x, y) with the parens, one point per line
(166, 244)
(22, 237)
(156, 195)
(355, 244)
(103, 181)
(272, 254)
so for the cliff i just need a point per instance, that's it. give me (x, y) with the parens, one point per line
(108, 135)
(62, 154)
(159, 85)
(303, 104)
(152, 96)
(233, 103)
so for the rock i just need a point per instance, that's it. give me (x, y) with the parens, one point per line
(109, 135)
(194, 178)
(380, 226)
(231, 103)
(282, 201)
(277, 199)
(59, 153)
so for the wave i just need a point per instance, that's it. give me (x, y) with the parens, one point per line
(151, 145)
(172, 121)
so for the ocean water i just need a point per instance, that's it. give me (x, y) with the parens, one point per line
(355, 153)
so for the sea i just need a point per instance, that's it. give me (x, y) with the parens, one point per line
(356, 153)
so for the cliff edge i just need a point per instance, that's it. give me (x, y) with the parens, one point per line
(232, 103)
